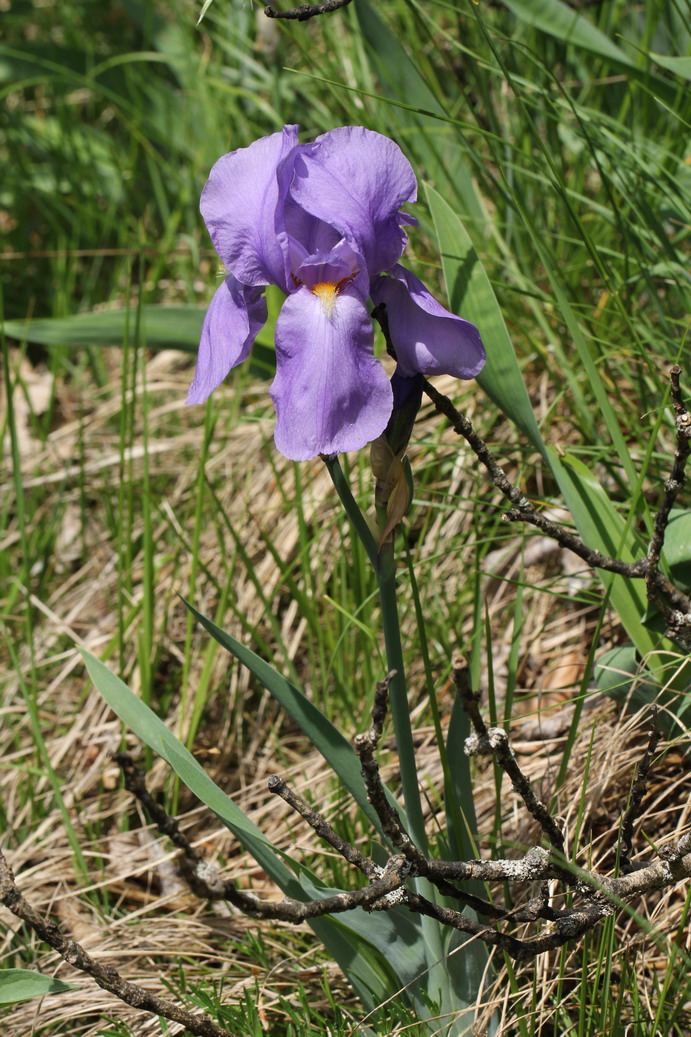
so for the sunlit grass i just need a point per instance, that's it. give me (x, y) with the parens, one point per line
(571, 175)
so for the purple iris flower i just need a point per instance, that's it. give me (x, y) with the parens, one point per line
(323, 222)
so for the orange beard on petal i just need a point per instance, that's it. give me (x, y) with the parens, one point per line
(326, 292)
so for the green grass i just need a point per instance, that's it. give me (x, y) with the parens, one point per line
(568, 165)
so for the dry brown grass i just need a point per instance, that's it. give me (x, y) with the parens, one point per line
(131, 910)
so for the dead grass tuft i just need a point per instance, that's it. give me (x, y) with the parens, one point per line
(129, 907)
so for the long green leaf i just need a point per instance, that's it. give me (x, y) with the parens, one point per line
(23, 984)
(422, 133)
(168, 327)
(471, 294)
(162, 327)
(360, 946)
(599, 524)
(147, 726)
(681, 66)
(335, 749)
(568, 25)
(562, 22)
(396, 70)
(602, 528)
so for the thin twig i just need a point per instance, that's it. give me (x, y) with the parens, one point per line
(206, 883)
(305, 11)
(638, 790)
(365, 746)
(447, 916)
(524, 511)
(482, 907)
(135, 783)
(323, 829)
(107, 977)
(674, 604)
(496, 741)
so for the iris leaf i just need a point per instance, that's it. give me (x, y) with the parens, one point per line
(367, 960)
(23, 984)
(599, 524)
(337, 752)
(562, 22)
(471, 294)
(603, 529)
(162, 327)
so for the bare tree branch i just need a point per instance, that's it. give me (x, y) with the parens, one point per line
(600, 896)
(323, 829)
(676, 605)
(107, 977)
(366, 746)
(638, 791)
(205, 882)
(305, 11)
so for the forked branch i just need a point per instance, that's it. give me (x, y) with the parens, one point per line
(596, 895)
(674, 604)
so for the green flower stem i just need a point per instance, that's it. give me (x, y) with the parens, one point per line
(453, 808)
(386, 580)
(384, 565)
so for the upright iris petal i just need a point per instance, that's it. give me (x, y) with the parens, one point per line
(356, 181)
(322, 221)
(240, 204)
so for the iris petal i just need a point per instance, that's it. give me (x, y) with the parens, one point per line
(330, 392)
(427, 338)
(235, 316)
(320, 221)
(239, 205)
(305, 235)
(356, 181)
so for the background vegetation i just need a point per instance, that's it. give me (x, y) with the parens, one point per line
(560, 136)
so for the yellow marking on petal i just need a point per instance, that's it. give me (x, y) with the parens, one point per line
(326, 292)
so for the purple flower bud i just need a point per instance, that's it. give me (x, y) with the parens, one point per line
(407, 397)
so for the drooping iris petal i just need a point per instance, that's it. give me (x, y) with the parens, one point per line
(237, 312)
(330, 392)
(239, 205)
(427, 338)
(356, 181)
